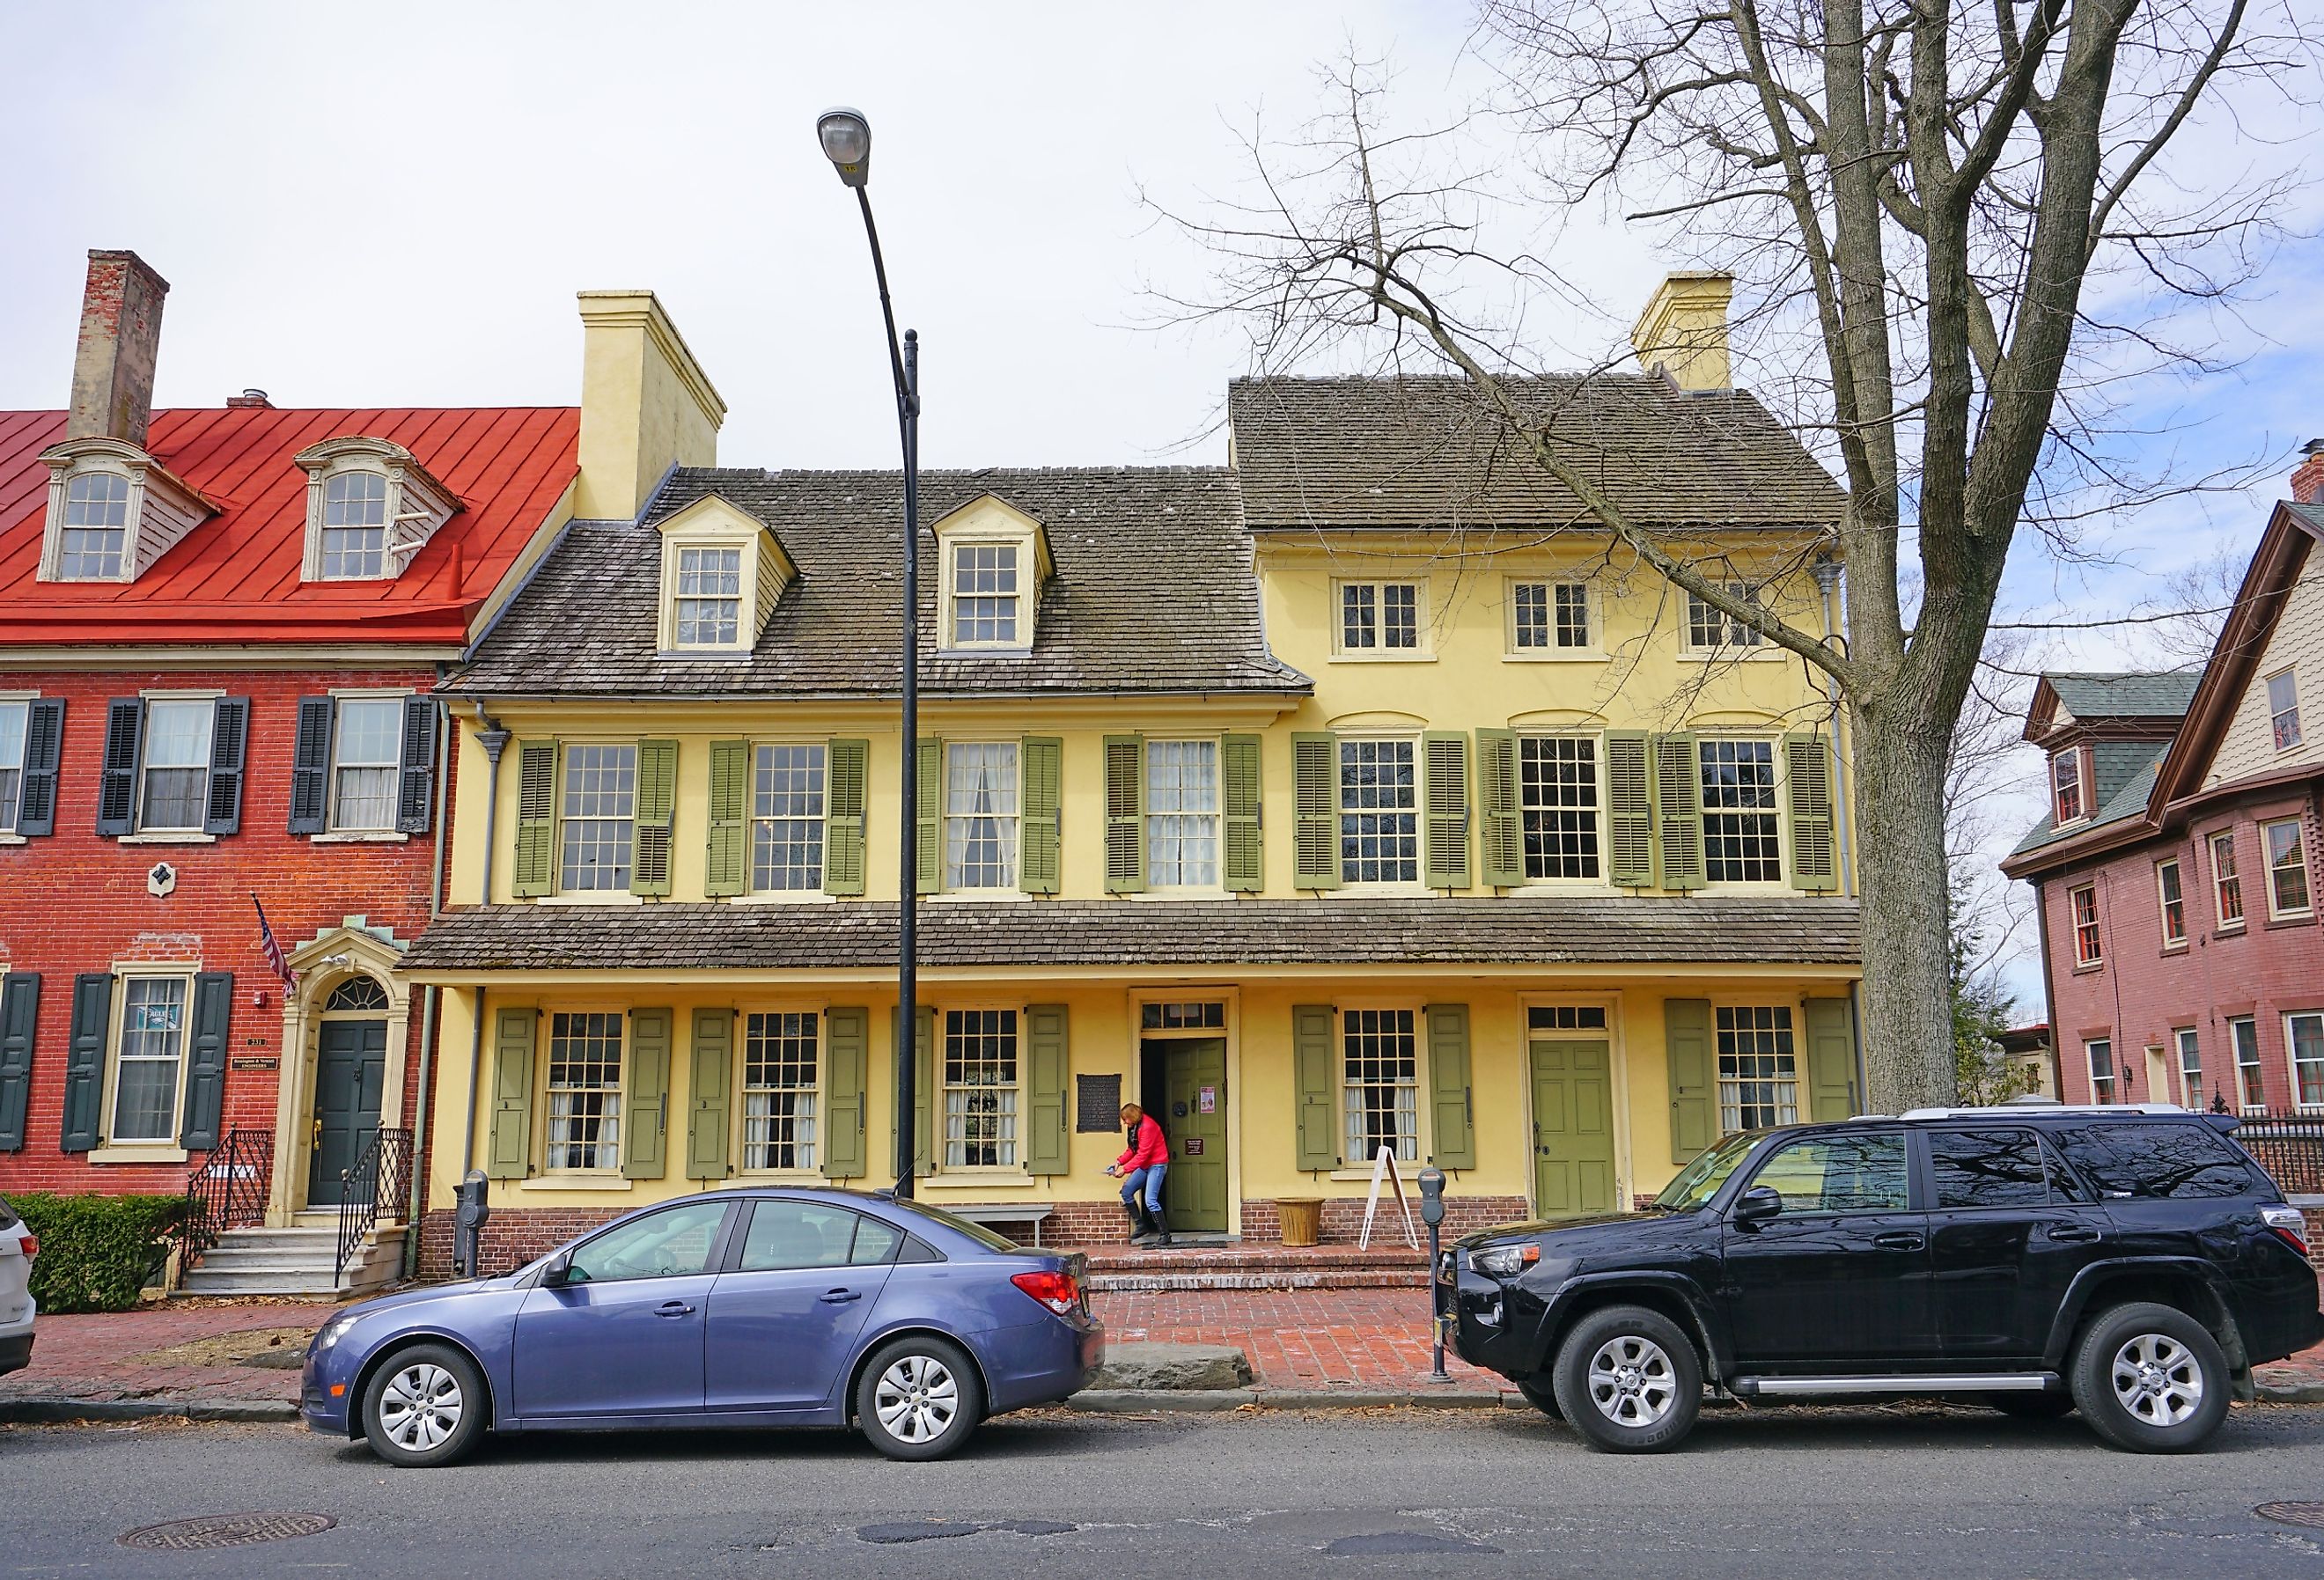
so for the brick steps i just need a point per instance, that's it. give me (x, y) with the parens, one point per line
(1118, 1269)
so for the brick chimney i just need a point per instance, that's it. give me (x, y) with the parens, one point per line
(120, 336)
(2308, 477)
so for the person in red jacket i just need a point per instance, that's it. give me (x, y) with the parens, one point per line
(1141, 1169)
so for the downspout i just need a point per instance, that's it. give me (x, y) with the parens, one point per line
(1827, 575)
(2050, 990)
(430, 1024)
(493, 740)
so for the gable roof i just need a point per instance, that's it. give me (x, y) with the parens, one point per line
(234, 577)
(2125, 694)
(2124, 772)
(1422, 452)
(1152, 593)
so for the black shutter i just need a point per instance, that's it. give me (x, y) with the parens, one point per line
(20, 1009)
(310, 766)
(206, 1075)
(116, 796)
(44, 740)
(92, 1013)
(415, 799)
(229, 734)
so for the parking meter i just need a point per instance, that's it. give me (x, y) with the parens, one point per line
(468, 1218)
(1432, 1213)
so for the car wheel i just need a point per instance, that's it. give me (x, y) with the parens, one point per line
(1629, 1381)
(425, 1406)
(2032, 1407)
(2151, 1379)
(919, 1398)
(1542, 1396)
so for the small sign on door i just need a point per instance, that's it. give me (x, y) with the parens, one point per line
(1206, 1101)
(1193, 1145)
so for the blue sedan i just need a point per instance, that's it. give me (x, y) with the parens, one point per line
(730, 1309)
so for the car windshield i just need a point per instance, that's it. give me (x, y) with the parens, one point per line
(1700, 1180)
(976, 1232)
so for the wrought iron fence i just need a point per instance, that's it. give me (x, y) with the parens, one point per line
(2290, 1147)
(227, 1192)
(376, 1183)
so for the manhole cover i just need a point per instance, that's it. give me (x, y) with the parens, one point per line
(225, 1531)
(2311, 1515)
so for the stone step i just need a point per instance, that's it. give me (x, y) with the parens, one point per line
(1120, 1268)
(1283, 1280)
(294, 1261)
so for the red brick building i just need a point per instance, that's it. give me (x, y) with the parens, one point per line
(2176, 872)
(219, 630)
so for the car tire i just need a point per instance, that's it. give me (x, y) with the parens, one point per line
(919, 1398)
(1541, 1395)
(424, 1407)
(2032, 1407)
(1628, 1380)
(2151, 1379)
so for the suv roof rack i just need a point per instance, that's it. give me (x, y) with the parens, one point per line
(2029, 1110)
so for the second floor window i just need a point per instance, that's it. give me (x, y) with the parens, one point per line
(585, 1091)
(2088, 950)
(981, 814)
(787, 813)
(1381, 1083)
(600, 817)
(12, 717)
(94, 532)
(1380, 813)
(2226, 887)
(1758, 1067)
(355, 526)
(1709, 627)
(1557, 796)
(1182, 814)
(1380, 616)
(1739, 841)
(2251, 1086)
(778, 1091)
(709, 597)
(984, 594)
(979, 1088)
(2287, 868)
(175, 796)
(2066, 787)
(2100, 1052)
(2283, 710)
(365, 761)
(1551, 614)
(2174, 903)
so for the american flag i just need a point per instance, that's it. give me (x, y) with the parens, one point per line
(273, 950)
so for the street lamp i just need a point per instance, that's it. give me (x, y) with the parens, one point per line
(846, 139)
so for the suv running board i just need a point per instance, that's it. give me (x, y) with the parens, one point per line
(1978, 1382)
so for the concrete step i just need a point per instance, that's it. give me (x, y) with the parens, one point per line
(294, 1261)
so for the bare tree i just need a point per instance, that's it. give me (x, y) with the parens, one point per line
(1911, 196)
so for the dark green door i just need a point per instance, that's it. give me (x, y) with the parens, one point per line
(350, 1074)
(1195, 1192)
(1572, 1129)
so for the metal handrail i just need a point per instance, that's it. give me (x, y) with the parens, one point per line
(227, 1192)
(2289, 1145)
(378, 1178)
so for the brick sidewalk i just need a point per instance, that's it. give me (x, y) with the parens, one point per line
(101, 1355)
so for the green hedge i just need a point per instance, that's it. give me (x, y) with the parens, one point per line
(96, 1252)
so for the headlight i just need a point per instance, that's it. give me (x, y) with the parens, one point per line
(1504, 1261)
(332, 1331)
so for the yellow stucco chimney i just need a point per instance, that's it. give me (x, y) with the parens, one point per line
(645, 402)
(1683, 329)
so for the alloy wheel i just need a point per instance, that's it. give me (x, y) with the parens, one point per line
(420, 1407)
(2157, 1380)
(917, 1398)
(1631, 1380)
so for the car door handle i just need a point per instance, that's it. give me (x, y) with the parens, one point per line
(840, 1297)
(674, 1309)
(1900, 1240)
(2071, 1234)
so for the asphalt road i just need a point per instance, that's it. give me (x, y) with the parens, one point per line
(1897, 1492)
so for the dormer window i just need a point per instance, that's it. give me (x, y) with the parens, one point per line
(994, 559)
(355, 527)
(723, 573)
(371, 507)
(2068, 798)
(984, 594)
(709, 597)
(112, 511)
(96, 529)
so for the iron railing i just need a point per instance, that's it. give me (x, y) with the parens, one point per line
(227, 1192)
(376, 1183)
(2289, 1146)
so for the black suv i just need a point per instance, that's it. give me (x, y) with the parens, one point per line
(2132, 1263)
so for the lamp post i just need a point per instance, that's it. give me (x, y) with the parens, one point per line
(846, 139)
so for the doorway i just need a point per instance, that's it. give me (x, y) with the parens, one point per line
(1572, 1127)
(1183, 1082)
(350, 1080)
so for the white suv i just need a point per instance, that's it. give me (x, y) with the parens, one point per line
(17, 1247)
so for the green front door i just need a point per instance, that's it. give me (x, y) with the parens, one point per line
(1572, 1129)
(1195, 1192)
(350, 1073)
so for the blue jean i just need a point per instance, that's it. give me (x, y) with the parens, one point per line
(1150, 1176)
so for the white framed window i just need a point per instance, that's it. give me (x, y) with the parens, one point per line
(174, 789)
(1758, 1067)
(1551, 617)
(1558, 803)
(1711, 630)
(979, 1088)
(781, 1086)
(2068, 804)
(599, 820)
(1381, 1083)
(2287, 868)
(371, 506)
(2251, 1083)
(354, 539)
(585, 1091)
(2173, 901)
(709, 612)
(786, 814)
(1379, 617)
(1380, 811)
(15, 714)
(367, 760)
(92, 532)
(1182, 814)
(1742, 842)
(2227, 885)
(149, 1061)
(2303, 1040)
(985, 599)
(2099, 1051)
(2090, 947)
(2283, 709)
(982, 793)
(2191, 1067)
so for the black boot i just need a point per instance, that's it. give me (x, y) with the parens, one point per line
(1161, 1229)
(1138, 1232)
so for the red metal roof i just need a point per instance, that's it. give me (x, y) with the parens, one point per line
(234, 577)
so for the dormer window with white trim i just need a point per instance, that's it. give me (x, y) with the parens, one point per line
(723, 573)
(355, 527)
(371, 507)
(112, 511)
(94, 533)
(994, 560)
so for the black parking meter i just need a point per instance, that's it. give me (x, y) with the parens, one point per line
(1432, 1213)
(468, 1219)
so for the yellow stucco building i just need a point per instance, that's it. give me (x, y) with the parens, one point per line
(1354, 795)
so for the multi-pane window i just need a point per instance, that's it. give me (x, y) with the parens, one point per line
(1380, 813)
(2100, 1052)
(980, 824)
(2174, 903)
(2088, 949)
(2304, 1035)
(787, 810)
(2066, 786)
(778, 1090)
(1196, 1015)
(2190, 1066)
(1759, 1073)
(177, 769)
(363, 762)
(1377, 615)
(1381, 1083)
(980, 1089)
(152, 1052)
(355, 526)
(1710, 628)
(600, 811)
(1739, 843)
(984, 594)
(709, 597)
(2287, 868)
(2227, 886)
(2251, 1088)
(12, 717)
(1566, 1018)
(2283, 709)
(94, 535)
(1551, 614)
(1557, 798)
(584, 1090)
(1182, 814)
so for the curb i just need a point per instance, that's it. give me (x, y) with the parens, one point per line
(34, 1411)
(2291, 1392)
(1194, 1402)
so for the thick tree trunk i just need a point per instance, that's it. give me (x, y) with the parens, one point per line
(1900, 780)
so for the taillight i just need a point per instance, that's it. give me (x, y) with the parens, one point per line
(1061, 1292)
(2289, 1226)
(29, 1245)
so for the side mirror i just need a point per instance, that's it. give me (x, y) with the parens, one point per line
(1759, 1204)
(558, 1270)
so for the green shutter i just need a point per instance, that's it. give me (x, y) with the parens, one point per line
(713, 1078)
(1694, 1115)
(1125, 814)
(92, 1022)
(1448, 1082)
(847, 1056)
(930, 797)
(1444, 828)
(206, 1056)
(925, 1106)
(1315, 805)
(1240, 784)
(1831, 1060)
(1046, 1077)
(20, 1013)
(1807, 779)
(1502, 849)
(1630, 809)
(534, 872)
(508, 1153)
(645, 1122)
(1315, 1069)
(726, 848)
(656, 808)
(1041, 761)
(847, 774)
(1678, 811)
